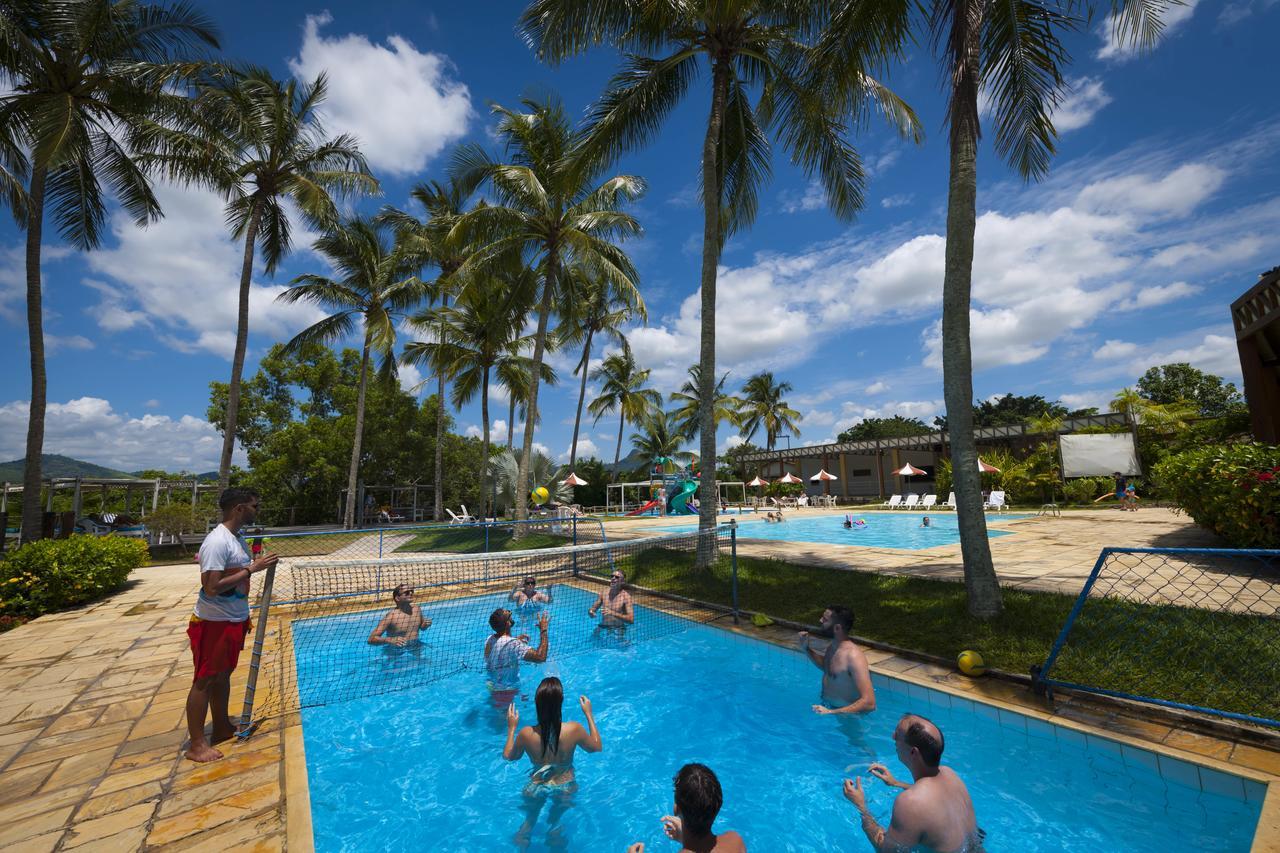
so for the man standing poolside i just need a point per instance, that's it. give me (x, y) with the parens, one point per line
(846, 676)
(614, 604)
(935, 812)
(401, 624)
(503, 653)
(220, 622)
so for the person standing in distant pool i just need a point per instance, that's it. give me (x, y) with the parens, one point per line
(527, 594)
(614, 604)
(400, 626)
(925, 522)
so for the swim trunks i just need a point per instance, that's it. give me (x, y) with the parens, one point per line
(215, 645)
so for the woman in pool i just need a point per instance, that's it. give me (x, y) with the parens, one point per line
(550, 745)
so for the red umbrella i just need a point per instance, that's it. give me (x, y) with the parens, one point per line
(573, 480)
(759, 482)
(792, 478)
(909, 470)
(984, 468)
(826, 480)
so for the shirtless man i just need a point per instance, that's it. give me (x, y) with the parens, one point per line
(401, 624)
(528, 593)
(846, 676)
(935, 812)
(698, 801)
(614, 604)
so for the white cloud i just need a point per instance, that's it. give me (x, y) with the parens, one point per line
(1234, 13)
(1196, 255)
(181, 275)
(497, 432)
(1100, 400)
(1209, 350)
(55, 343)
(1149, 297)
(152, 404)
(13, 278)
(1085, 99)
(690, 195)
(410, 377)
(1174, 17)
(1176, 194)
(403, 105)
(89, 428)
(897, 200)
(875, 388)
(586, 449)
(813, 197)
(539, 447)
(1115, 349)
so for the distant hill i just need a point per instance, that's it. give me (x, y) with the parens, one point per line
(53, 465)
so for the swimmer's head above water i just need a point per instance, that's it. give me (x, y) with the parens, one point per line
(401, 591)
(500, 620)
(919, 742)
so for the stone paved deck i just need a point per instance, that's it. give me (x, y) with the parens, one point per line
(92, 728)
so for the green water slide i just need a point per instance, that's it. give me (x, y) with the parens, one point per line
(678, 504)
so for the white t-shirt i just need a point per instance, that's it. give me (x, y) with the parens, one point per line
(220, 551)
(503, 661)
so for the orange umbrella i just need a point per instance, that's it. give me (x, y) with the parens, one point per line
(573, 480)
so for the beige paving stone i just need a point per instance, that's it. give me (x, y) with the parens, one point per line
(109, 803)
(128, 711)
(1199, 744)
(187, 798)
(79, 769)
(1259, 759)
(243, 805)
(45, 749)
(161, 754)
(16, 784)
(11, 832)
(131, 838)
(154, 724)
(118, 781)
(31, 806)
(240, 835)
(74, 721)
(40, 844)
(192, 775)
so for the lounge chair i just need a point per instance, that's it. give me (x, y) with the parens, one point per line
(459, 519)
(803, 500)
(893, 502)
(995, 502)
(951, 502)
(929, 502)
(912, 501)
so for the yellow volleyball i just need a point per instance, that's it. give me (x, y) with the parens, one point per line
(540, 495)
(971, 663)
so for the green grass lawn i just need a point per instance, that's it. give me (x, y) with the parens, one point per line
(1218, 660)
(472, 540)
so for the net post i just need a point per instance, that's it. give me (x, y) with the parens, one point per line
(255, 662)
(486, 538)
(1042, 674)
(379, 544)
(575, 544)
(733, 562)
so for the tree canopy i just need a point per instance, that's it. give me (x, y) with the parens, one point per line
(894, 427)
(1172, 383)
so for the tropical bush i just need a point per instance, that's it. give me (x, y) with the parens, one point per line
(784, 490)
(54, 574)
(1085, 489)
(1233, 490)
(173, 520)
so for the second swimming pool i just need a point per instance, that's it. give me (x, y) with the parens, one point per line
(883, 529)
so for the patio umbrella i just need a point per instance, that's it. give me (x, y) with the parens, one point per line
(573, 480)
(984, 468)
(760, 483)
(792, 478)
(826, 480)
(909, 471)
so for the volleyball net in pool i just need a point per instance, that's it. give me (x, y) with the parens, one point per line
(1190, 628)
(317, 620)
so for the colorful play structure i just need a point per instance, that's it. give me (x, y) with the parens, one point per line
(670, 484)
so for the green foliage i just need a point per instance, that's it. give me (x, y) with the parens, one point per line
(1011, 410)
(593, 471)
(1169, 384)
(54, 574)
(763, 406)
(1233, 490)
(1084, 490)
(784, 490)
(894, 427)
(175, 519)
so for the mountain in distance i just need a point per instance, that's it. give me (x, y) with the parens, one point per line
(53, 465)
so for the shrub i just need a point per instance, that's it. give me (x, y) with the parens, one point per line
(1085, 489)
(175, 519)
(54, 574)
(784, 490)
(1233, 490)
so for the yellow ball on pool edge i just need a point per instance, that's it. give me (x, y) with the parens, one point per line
(971, 663)
(540, 495)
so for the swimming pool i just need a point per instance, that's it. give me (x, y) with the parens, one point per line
(883, 530)
(423, 769)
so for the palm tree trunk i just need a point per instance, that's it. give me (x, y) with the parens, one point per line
(353, 474)
(957, 364)
(531, 405)
(711, 190)
(484, 450)
(438, 512)
(32, 509)
(242, 340)
(582, 395)
(617, 453)
(511, 419)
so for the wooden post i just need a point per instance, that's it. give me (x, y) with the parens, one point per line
(77, 501)
(844, 476)
(155, 497)
(880, 469)
(49, 501)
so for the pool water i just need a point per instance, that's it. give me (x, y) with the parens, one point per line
(422, 769)
(883, 529)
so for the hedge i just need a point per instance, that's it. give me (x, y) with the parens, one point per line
(1233, 490)
(54, 574)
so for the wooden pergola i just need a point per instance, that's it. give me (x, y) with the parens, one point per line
(80, 485)
(1256, 317)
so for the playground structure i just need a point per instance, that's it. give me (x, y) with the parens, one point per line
(664, 493)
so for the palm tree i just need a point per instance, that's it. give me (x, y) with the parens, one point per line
(259, 142)
(444, 203)
(476, 334)
(745, 45)
(1012, 50)
(623, 391)
(658, 438)
(593, 308)
(763, 406)
(87, 79)
(548, 208)
(687, 414)
(541, 471)
(378, 284)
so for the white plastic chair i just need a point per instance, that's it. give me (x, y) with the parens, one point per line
(995, 502)
(893, 502)
(951, 502)
(912, 501)
(459, 519)
(929, 501)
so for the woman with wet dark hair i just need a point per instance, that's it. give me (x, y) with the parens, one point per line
(551, 743)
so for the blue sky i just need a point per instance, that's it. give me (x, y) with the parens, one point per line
(1162, 206)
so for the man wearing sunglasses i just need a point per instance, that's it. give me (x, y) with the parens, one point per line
(527, 594)
(401, 624)
(614, 604)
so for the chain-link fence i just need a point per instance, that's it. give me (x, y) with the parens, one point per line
(1191, 628)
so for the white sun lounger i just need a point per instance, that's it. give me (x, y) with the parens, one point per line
(995, 502)
(912, 501)
(459, 519)
(951, 502)
(893, 502)
(929, 501)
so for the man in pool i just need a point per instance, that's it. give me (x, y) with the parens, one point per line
(503, 653)
(846, 675)
(614, 604)
(698, 801)
(925, 522)
(527, 594)
(935, 811)
(401, 624)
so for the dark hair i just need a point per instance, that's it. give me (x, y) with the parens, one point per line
(531, 580)
(395, 593)
(498, 620)
(698, 797)
(549, 700)
(842, 616)
(929, 747)
(618, 572)
(233, 497)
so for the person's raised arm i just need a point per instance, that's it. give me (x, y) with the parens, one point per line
(512, 750)
(546, 596)
(539, 655)
(592, 743)
(625, 612)
(816, 658)
(375, 637)
(514, 592)
(423, 621)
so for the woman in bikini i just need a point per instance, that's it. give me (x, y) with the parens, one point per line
(550, 744)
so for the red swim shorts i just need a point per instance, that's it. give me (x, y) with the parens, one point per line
(216, 645)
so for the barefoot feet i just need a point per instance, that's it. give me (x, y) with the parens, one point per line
(202, 753)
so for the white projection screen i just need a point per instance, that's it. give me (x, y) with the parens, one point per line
(1099, 455)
